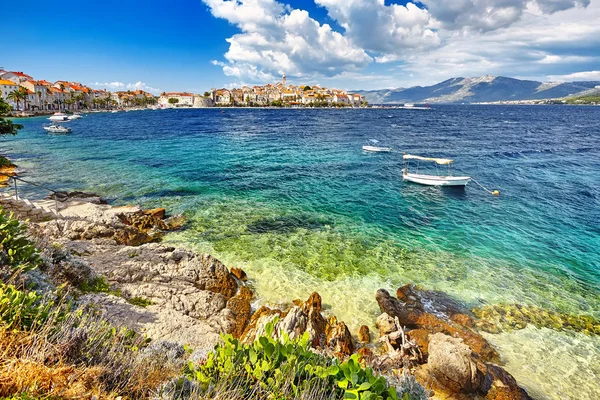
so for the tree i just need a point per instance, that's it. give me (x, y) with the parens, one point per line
(79, 98)
(6, 126)
(307, 88)
(206, 94)
(173, 100)
(17, 95)
(69, 103)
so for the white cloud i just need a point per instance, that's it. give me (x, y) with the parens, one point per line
(389, 31)
(427, 40)
(577, 76)
(277, 40)
(116, 86)
(490, 15)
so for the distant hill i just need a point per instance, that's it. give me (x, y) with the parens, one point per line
(479, 89)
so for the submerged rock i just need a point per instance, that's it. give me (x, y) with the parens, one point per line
(508, 317)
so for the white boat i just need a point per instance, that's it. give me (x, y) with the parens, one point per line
(410, 106)
(377, 149)
(432, 180)
(59, 117)
(74, 116)
(372, 146)
(59, 129)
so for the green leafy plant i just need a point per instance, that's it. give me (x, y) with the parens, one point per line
(16, 249)
(276, 369)
(24, 309)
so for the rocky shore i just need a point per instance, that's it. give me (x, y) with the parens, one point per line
(172, 294)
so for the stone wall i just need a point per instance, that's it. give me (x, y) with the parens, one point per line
(25, 209)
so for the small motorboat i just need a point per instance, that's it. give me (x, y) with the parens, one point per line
(59, 117)
(74, 116)
(432, 180)
(410, 106)
(374, 147)
(57, 129)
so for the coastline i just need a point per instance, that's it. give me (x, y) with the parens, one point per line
(325, 299)
(151, 293)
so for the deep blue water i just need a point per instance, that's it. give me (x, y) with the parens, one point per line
(289, 195)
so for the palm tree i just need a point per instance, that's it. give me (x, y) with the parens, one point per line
(79, 97)
(69, 103)
(39, 95)
(17, 95)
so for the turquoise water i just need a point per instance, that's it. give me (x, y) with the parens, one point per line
(289, 196)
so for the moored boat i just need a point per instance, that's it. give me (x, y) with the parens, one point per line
(410, 106)
(373, 146)
(75, 116)
(432, 180)
(57, 129)
(377, 149)
(58, 116)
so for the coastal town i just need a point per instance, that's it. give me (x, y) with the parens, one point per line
(27, 95)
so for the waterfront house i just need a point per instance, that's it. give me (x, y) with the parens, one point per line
(15, 76)
(6, 87)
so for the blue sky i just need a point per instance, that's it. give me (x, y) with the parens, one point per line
(351, 44)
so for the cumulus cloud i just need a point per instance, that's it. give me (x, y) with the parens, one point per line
(116, 86)
(577, 76)
(490, 15)
(277, 40)
(426, 40)
(388, 31)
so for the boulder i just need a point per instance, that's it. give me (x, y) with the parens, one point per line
(385, 324)
(242, 310)
(239, 273)
(411, 314)
(339, 340)
(453, 364)
(364, 336)
(421, 338)
(316, 324)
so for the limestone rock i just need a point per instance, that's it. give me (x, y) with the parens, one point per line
(453, 363)
(340, 340)
(239, 273)
(364, 335)
(241, 308)
(385, 324)
(421, 337)
(316, 324)
(411, 314)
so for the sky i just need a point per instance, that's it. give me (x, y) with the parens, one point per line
(350, 44)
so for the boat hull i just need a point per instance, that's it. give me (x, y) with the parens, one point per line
(434, 180)
(376, 149)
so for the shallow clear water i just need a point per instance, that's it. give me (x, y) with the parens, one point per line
(289, 196)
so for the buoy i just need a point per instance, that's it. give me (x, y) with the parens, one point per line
(495, 192)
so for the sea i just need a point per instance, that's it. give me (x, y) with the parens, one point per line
(289, 196)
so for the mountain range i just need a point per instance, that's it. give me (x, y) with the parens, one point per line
(480, 89)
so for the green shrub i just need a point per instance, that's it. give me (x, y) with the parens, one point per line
(274, 369)
(25, 310)
(5, 162)
(140, 301)
(15, 249)
(98, 284)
